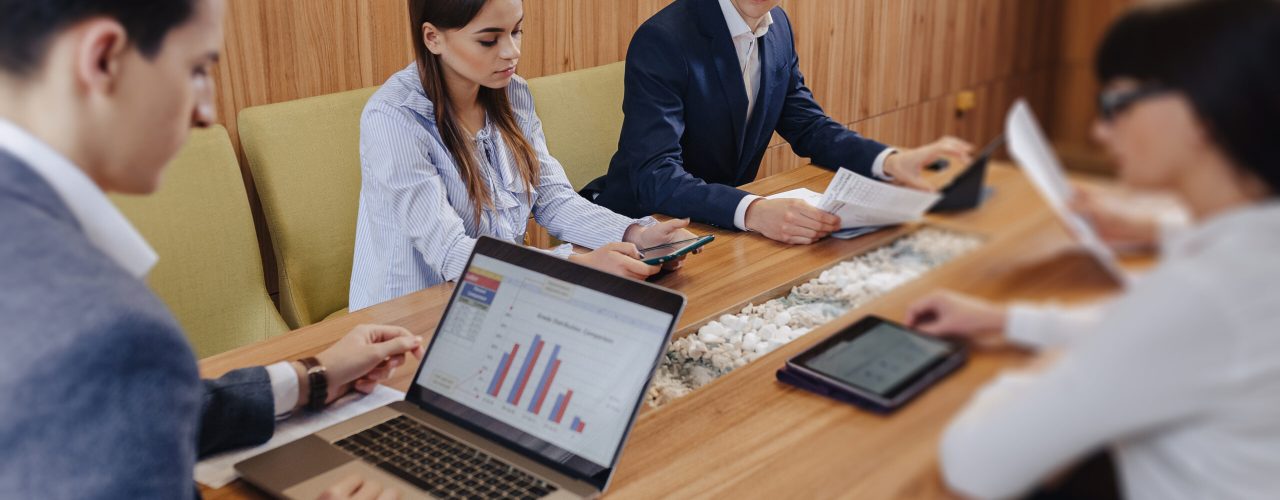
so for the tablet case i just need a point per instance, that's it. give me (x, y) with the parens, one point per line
(967, 191)
(802, 381)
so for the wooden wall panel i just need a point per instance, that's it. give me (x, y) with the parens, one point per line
(862, 58)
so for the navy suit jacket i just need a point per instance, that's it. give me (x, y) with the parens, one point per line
(100, 396)
(686, 140)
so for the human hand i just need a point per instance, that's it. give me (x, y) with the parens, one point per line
(662, 233)
(790, 220)
(955, 315)
(620, 258)
(907, 167)
(363, 358)
(355, 487)
(1117, 228)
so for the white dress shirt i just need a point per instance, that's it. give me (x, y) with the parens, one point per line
(1179, 378)
(109, 230)
(746, 42)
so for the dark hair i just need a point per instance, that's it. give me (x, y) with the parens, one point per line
(1224, 56)
(452, 14)
(27, 26)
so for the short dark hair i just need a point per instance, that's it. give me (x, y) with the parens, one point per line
(27, 26)
(1224, 56)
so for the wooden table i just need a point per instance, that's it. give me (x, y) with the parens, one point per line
(746, 435)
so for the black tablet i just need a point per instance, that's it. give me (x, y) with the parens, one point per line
(880, 363)
(965, 191)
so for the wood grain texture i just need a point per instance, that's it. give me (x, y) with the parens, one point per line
(745, 435)
(871, 63)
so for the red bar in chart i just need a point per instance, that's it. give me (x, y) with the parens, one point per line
(548, 376)
(562, 403)
(500, 374)
(577, 425)
(522, 378)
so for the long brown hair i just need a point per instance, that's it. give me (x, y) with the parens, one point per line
(453, 14)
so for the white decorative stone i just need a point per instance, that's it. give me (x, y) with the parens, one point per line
(734, 340)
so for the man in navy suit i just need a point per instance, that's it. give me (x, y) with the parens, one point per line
(708, 82)
(100, 395)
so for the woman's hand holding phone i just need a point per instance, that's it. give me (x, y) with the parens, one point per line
(659, 234)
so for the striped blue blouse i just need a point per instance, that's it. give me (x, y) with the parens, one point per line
(416, 227)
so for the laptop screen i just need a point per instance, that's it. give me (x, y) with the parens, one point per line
(555, 368)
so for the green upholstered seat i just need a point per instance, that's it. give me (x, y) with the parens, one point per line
(210, 268)
(305, 160)
(581, 115)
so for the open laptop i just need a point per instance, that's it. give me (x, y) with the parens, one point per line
(967, 190)
(529, 388)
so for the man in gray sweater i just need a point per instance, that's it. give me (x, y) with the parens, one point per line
(99, 391)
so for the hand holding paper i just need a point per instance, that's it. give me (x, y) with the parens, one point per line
(861, 202)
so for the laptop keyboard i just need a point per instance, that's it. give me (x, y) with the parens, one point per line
(440, 465)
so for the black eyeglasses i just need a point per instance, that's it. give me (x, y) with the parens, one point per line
(1111, 104)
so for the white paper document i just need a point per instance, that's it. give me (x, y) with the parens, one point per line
(861, 202)
(1030, 148)
(219, 470)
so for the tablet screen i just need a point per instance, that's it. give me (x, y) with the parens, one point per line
(880, 360)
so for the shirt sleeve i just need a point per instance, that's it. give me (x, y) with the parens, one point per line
(1127, 378)
(284, 387)
(397, 166)
(877, 168)
(558, 207)
(1038, 327)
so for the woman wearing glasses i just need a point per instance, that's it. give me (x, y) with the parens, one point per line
(1178, 379)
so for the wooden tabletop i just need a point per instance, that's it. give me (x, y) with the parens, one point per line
(746, 435)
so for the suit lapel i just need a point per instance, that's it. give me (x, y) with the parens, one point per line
(711, 23)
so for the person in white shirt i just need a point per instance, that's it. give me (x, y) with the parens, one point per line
(1178, 377)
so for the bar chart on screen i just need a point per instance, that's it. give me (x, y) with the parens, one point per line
(546, 356)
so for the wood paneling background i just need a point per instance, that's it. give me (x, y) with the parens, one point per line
(890, 69)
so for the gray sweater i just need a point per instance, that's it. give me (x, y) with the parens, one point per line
(100, 396)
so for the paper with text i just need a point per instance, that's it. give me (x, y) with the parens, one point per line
(219, 470)
(861, 202)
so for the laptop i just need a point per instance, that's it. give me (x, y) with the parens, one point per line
(528, 389)
(967, 190)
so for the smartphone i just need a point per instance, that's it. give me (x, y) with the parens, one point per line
(670, 251)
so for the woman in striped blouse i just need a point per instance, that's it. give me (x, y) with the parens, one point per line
(451, 149)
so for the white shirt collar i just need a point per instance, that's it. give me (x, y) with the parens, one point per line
(738, 26)
(101, 221)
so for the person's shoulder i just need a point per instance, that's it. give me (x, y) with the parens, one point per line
(60, 281)
(69, 305)
(401, 96)
(671, 26)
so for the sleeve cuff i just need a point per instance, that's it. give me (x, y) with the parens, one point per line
(1027, 325)
(740, 215)
(563, 251)
(284, 387)
(1171, 227)
(1039, 327)
(877, 167)
(455, 262)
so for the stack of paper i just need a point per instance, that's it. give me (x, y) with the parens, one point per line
(865, 205)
